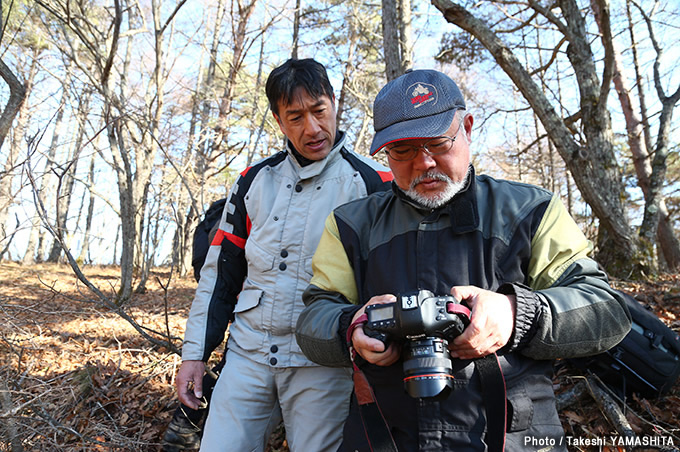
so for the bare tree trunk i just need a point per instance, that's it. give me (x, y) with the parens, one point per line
(349, 64)
(17, 94)
(59, 170)
(185, 212)
(253, 143)
(15, 152)
(397, 42)
(29, 257)
(669, 246)
(203, 150)
(296, 30)
(391, 47)
(191, 200)
(654, 200)
(593, 167)
(155, 102)
(243, 12)
(405, 40)
(85, 248)
(150, 139)
(122, 164)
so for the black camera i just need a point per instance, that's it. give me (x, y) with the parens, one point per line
(425, 323)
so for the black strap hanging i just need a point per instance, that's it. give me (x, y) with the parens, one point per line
(378, 431)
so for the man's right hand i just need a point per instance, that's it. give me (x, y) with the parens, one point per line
(373, 350)
(189, 383)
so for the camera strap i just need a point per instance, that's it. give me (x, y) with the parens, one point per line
(495, 400)
(376, 428)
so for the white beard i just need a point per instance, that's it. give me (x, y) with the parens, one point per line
(436, 200)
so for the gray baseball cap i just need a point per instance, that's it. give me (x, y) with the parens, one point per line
(418, 104)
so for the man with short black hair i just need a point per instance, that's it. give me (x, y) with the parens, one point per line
(508, 252)
(261, 255)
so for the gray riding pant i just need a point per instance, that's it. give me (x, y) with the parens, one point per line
(250, 400)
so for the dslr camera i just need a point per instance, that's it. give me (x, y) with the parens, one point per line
(424, 323)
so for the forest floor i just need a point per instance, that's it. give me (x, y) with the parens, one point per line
(76, 377)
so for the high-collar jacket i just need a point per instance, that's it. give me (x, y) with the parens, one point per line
(259, 262)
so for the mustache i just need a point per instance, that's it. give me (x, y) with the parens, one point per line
(430, 174)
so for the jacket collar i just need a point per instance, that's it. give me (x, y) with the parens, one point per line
(462, 209)
(310, 168)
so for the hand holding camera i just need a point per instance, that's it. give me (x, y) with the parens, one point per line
(373, 350)
(486, 327)
(491, 325)
(424, 324)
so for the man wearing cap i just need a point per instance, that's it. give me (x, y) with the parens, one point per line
(509, 251)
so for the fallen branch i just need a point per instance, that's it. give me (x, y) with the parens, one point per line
(571, 396)
(610, 409)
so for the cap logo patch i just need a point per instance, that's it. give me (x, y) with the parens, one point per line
(421, 94)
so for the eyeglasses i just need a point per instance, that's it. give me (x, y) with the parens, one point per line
(434, 146)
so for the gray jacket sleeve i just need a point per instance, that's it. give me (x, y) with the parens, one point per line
(321, 326)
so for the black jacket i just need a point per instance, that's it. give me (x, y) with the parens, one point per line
(497, 235)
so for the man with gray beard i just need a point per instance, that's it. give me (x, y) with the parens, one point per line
(503, 258)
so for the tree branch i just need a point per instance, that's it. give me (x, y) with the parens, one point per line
(101, 298)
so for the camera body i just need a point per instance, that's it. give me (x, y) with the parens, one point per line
(424, 323)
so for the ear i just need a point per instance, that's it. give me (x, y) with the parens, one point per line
(468, 121)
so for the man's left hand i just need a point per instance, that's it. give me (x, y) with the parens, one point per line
(491, 324)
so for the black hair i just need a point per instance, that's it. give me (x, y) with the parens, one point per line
(307, 74)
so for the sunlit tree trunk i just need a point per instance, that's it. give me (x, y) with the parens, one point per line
(61, 186)
(391, 49)
(204, 147)
(593, 166)
(348, 72)
(17, 94)
(85, 248)
(240, 13)
(16, 150)
(405, 35)
(397, 42)
(190, 197)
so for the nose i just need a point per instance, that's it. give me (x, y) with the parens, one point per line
(312, 125)
(423, 160)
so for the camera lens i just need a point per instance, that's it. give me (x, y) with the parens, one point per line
(427, 368)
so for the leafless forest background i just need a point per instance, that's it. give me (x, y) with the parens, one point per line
(123, 120)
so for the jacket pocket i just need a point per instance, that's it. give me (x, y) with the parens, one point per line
(259, 260)
(248, 299)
